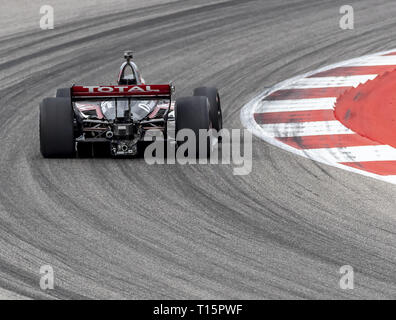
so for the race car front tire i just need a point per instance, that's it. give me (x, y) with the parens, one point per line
(215, 106)
(193, 113)
(57, 128)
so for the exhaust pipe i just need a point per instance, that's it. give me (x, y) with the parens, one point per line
(124, 148)
(109, 134)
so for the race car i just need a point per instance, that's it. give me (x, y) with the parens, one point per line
(114, 120)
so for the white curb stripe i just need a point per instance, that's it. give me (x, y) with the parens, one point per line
(296, 105)
(374, 61)
(355, 154)
(326, 82)
(301, 129)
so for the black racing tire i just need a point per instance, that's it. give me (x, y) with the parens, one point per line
(57, 128)
(63, 93)
(193, 113)
(213, 96)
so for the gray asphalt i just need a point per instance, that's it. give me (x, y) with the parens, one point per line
(120, 229)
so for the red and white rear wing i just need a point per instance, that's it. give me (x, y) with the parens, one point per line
(157, 91)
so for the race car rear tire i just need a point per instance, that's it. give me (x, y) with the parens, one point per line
(63, 93)
(57, 128)
(215, 106)
(193, 113)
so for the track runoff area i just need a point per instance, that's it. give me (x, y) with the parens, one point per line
(340, 115)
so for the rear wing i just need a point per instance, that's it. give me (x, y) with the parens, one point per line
(158, 91)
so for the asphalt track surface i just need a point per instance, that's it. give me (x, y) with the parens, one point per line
(122, 229)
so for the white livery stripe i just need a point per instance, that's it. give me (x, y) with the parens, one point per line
(295, 105)
(301, 129)
(330, 82)
(355, 154)
(374, 61)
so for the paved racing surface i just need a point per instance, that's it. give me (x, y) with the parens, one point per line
(123, 229)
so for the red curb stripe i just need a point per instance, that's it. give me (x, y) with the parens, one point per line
(354, 71)
(296, 116)
(370, 109)
(327, 141)
(382, 168)
(390, 54)
(312, 93)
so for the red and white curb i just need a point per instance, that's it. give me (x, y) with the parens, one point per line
(297, 115)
